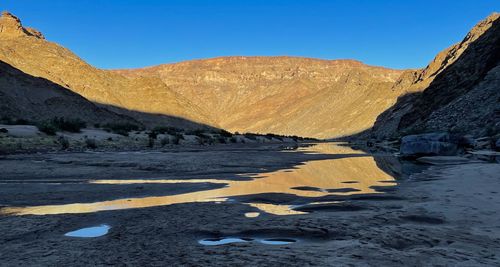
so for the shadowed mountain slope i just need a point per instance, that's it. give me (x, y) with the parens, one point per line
(36, 99)
(29, 52)
(459, 91)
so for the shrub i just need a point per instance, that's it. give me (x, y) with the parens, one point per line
(152, 134)
(165, 141)
(225, 133)
(3, 130)
(10, 121)
(177, 139)
(47, 127)
(167, 130)
(69, 125)
(197, 132)
(233, 140)
(64, 142)
(151, 142)
(222, 140)
(251, 136)
(91, 143)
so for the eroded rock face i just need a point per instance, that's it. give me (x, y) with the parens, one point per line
(284, 95)
(431, 144)
(11, 27)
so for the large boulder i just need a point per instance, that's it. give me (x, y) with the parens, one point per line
(430, 144)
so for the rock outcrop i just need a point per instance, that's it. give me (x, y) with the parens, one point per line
(11, 27)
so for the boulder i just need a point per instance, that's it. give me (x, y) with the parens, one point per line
(430, 144)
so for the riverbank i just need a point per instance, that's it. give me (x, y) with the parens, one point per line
(438, 215)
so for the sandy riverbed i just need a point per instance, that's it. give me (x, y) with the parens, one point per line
(354, 210)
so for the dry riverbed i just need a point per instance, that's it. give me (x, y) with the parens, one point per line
(320, 205)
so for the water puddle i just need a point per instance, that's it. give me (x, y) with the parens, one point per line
(95, 231)
(223, 241)
(230, 240)
(252, 214)
(278, 241)
(325, 176)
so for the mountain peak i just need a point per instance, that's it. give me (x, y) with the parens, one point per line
(11, 27)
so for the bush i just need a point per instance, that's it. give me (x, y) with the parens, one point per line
(151, 142)
(165, 141)
(251, 136)
(47, 127)
(233, 140)
(10, 121)
(197, 132)
(177, 139)
(91, 143)
(153, 135)
(167, 130)
(222, 140)
(69, 125)
(3, 130)
(64, 142)
(225, 133)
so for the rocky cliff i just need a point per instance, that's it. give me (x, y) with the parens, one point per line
(459, 91)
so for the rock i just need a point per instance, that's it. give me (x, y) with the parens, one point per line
(430, 144)
(11, 27)
(467, 141)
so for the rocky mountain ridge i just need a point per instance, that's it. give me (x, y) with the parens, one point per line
(459, 91)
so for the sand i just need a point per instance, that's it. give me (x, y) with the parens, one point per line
(445, 215)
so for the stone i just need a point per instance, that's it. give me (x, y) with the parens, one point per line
(431, 144)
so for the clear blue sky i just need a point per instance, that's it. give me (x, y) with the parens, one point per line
(137, 33)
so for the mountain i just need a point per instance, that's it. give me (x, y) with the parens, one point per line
(284, 95)
(146, 99)
(459, 91)
(37, 99)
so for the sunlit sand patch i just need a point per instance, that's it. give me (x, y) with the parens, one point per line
(276, 209)
(322, 174)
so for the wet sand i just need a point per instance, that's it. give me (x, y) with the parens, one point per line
(443, 215)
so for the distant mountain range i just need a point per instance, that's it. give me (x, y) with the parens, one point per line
(282, 95)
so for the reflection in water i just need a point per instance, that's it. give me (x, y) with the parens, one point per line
(320, 175)
(223, 241)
